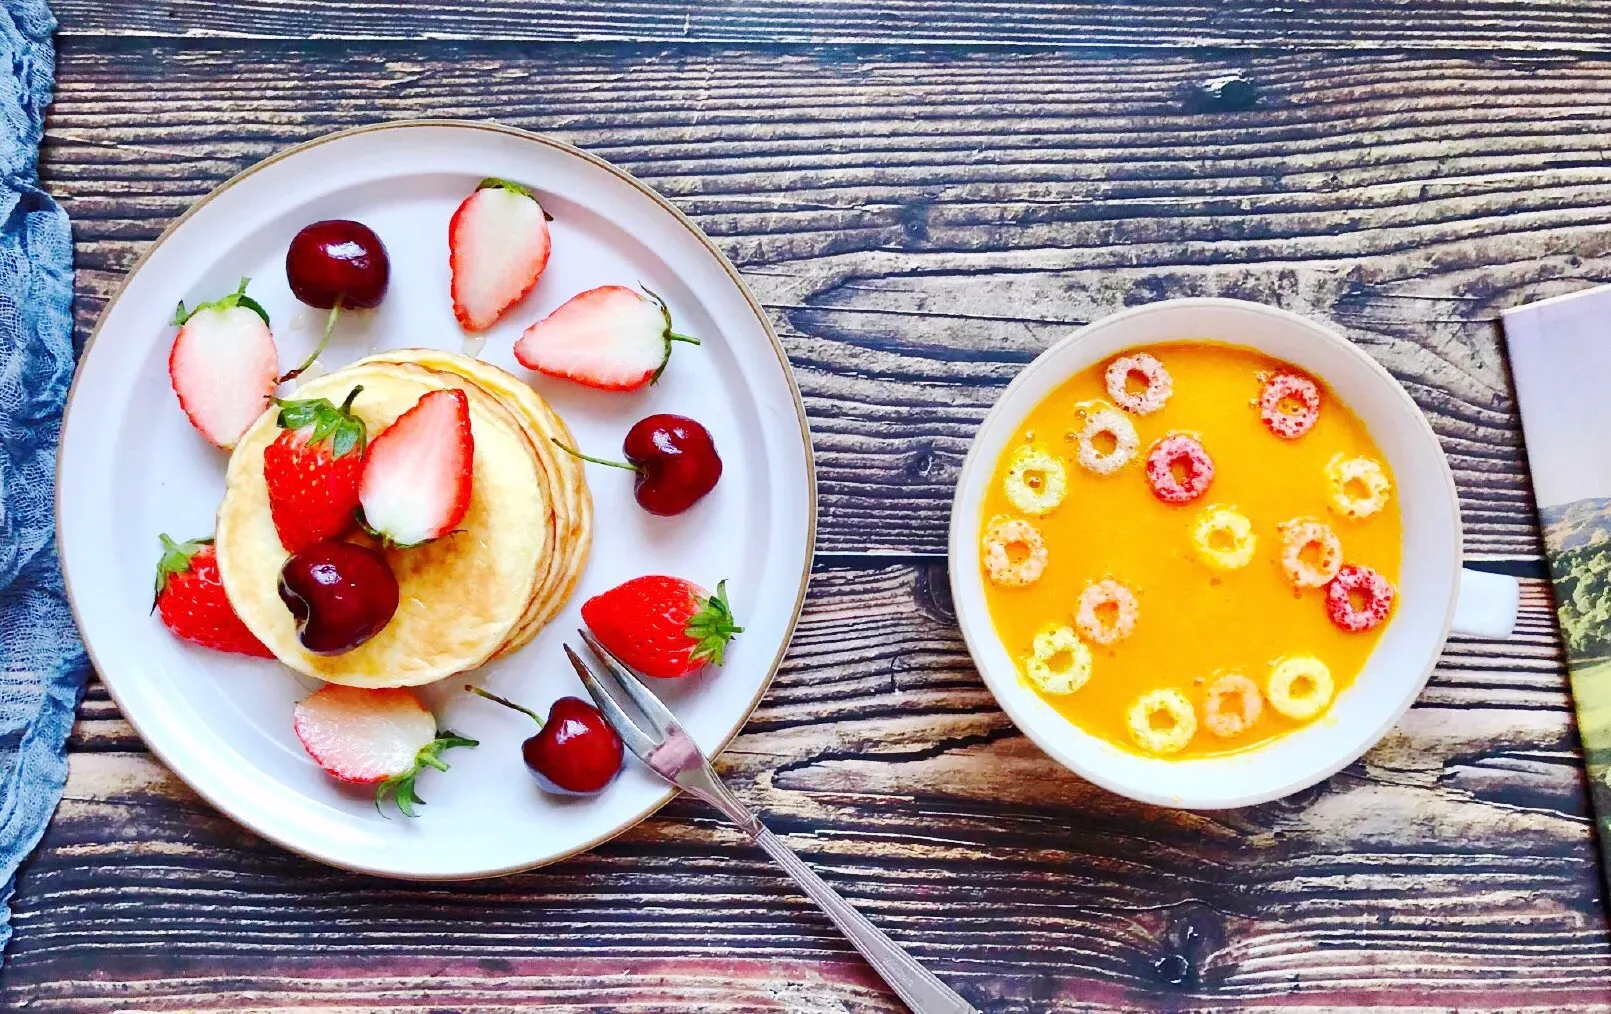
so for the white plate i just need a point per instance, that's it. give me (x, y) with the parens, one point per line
(131, 467)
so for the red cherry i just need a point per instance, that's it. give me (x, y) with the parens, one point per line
(575, 752)
(338, 261)
(676, 461)
(341, 595)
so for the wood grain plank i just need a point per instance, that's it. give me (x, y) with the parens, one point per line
(1485, 25)
(1452, 868)
(920, 225)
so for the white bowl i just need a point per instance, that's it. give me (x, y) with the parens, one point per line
(1432, 583)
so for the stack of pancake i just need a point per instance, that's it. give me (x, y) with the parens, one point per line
(470, 596)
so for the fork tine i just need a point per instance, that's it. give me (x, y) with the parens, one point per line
(657, 713)
(639, 742)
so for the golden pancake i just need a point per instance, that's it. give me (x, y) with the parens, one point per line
(572, 502)
(462, 597)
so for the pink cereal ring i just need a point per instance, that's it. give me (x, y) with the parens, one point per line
(1159, 384)
(1281, 390)
(1179, 469)
(1375, 594)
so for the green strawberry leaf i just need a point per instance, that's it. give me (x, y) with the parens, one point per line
(712, 627)
(175, 558)
(401, 787)
(492, 182)
(237, 298)
(344, 431)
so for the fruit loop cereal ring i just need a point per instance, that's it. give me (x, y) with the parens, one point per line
(1234, 704)
(1107, 612)
(1162, 721)
(1159, 384)
(1116, 427)
(1056, 643)
(1036, 482)
(1359, 487)
(1358, 599)
(1224, 539)
(1289, 405)
(1014, 553)
(1311, 553)
(1299, 687)
(1178, 469)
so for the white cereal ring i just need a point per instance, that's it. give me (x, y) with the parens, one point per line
(1223, 538)
(1162, 721)
(1014, 554)
(1311, 553)
(1234, 704)
(1300, 687)
(1120, 430)
(1359, 487)
(1107, 612)
(1036, 482)
(1159, 384)
(1053, 643)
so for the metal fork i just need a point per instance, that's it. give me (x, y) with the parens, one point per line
(671, 753)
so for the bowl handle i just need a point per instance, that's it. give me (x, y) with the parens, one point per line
(1487, 605)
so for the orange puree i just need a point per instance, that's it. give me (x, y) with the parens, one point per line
(1194, 623)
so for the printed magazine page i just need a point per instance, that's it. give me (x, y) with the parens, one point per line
(1560, 355)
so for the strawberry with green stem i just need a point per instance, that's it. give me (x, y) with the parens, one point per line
(661, 626)
(191, 601)
(384, 738)
(498, 247)
(610, 338)
(223, 364)
(312, 470)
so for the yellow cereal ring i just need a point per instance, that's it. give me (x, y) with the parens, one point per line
(1359, 487)
(1311, 553)
(1224, 539)
(1110, 421)
(1234, 704)
(1013, 552)
(1162, 721)
(1036, 482)
(1107, 612)
(1300, 687)
(1052, 641)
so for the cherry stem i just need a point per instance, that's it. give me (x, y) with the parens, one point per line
(489, 695)
(690, 339)
(588, 457)
(329, 326)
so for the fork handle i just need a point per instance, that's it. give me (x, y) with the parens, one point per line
(913, 983)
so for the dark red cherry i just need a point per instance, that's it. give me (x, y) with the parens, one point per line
(338, 260)
(575, 752)
(676, 461)
(341, 595)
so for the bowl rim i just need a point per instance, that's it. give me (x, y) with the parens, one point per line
(975, 628)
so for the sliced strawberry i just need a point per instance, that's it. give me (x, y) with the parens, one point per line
(662, 626)
(224, 365)
(610, 337)
(192, 603)
(416, 479)
(312, 470)
(383, 738)
(497, 249)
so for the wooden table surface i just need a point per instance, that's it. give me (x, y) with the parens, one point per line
(924, 195)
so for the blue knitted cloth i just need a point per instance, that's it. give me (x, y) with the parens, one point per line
(42, 660)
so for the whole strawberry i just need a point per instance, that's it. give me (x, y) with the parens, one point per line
(662, 626)
(312, 470)
(191, 600)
